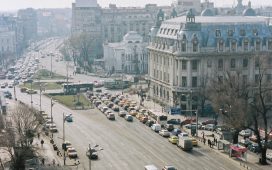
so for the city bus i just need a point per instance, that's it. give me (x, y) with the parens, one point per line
(74, 88)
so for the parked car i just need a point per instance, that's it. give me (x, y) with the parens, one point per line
(254, 147)
(149, 123)
(245, 133)
(115, 108)
(156, 127)
(111, 116)
(53, 128)
(31, 91)
(150, 167)
(129, 118)
(169, 127)
(72, 153)
(164, 133)
(193, 125)
(188, 121)
(194, 142)
(269, 156)
(7, 94)
(133, 112)
(122, 113)
(144, 119)
(176, 132)
(169, 167)
(23, 89)
(173, 139)
(209, 127)
(174, 121)
(210, 121)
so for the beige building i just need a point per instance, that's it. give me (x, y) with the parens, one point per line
(187, 50)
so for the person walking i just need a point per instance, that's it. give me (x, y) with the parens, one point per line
(43, 160)
(42, 142)
(54, 162)
(204, 140)
(209, 143)
(38, 135)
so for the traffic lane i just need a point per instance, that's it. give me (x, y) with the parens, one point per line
(138, 142)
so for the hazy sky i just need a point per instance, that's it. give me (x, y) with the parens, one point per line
(6, 5)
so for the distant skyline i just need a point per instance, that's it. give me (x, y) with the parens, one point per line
(12, 5)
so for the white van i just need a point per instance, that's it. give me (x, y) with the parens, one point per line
(150, 167)
(156, 127)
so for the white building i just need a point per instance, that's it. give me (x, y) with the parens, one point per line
(129, 56)
(185, 5)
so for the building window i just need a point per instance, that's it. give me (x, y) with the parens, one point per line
(195, 46)
(233, 45)
(230, 33)
(220, 64)
(232, 63)
(183, 46)
(194, 65)
(184, 81)
(184, 65)
(217, 33)
(209, 63)
(257, 63)
(258, 45)
(270, 44)
(255, 32)
(268, 78)
(246, 45)
(242, 32)
(194, 81)
(257, 78)
(245, 62)
(244, 79)
(221, 45)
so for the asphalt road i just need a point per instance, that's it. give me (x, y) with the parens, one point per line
(125, 145)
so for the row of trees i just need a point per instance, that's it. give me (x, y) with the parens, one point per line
(242, 104)
(17, 139)
(82, 48)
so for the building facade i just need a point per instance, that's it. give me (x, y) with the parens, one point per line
(187, 50)
(128, 56)
(185, 5)
(112, 23)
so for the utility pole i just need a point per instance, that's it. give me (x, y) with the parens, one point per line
(51, 66)
(51, 110)
(40, 98)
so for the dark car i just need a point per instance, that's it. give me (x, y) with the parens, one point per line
(149, 123)
(174, 121)
(7, 94)
(176, 132)
(98, 91)
(169, 127)
(126, 107)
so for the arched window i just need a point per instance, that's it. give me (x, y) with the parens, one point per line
(195, 44)
(183, 43)
(233, 45)
(258, 44)
(221, 45)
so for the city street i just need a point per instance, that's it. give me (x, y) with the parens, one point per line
(125, 145)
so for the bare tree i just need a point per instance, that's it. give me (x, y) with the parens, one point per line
(17, 139)
(84, 45)
(229, 95)
(260, 103)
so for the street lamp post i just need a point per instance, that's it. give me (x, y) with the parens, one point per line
(51, 66)
(51, 111)
(90, 151)
(31, 101)
(14, 90)
(63, 128)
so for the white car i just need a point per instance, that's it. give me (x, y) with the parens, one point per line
(111, 116)
(269, 156)
(246, 133)
(72, 153)
(164, 133)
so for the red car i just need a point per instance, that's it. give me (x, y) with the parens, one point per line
(211, 121)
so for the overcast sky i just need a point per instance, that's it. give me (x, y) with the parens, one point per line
(6, 5)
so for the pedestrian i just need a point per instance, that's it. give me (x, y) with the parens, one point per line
(42, 142)
(204, 140)
(54, 162)
(38, 135)
(43, 161)
(209, 142)
(216, 141)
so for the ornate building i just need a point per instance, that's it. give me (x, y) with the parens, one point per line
(128, 56)
(111, 24)
(186, 50)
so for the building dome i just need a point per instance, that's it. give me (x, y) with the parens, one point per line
(132, 37)
(207, 12)
(249, 12)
